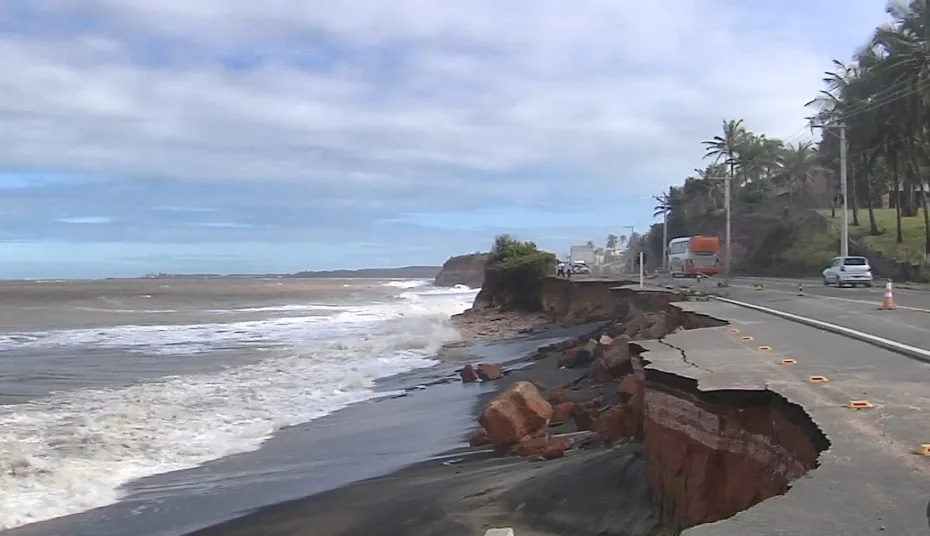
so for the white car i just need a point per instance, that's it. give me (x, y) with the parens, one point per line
(580, 268)
(852, 271)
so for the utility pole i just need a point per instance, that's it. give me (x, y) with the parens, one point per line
(726, 253)
(844, 245)
(665, 239)
(726, 241)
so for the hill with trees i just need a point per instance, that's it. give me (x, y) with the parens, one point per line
(882, 97)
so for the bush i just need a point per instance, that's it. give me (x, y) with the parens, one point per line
(519, 268)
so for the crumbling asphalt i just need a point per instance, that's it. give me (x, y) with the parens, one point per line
(870, 481)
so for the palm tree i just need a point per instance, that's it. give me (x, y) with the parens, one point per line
(612, 241)
(725, 148)
(800, 166)
(906, 44)
(663, 207)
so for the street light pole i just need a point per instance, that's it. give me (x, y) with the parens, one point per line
(844, 245)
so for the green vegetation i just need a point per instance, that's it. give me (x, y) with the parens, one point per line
(882, 97)
(912, 233)
(518, 269)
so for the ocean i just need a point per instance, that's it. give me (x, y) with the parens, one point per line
(124, 399)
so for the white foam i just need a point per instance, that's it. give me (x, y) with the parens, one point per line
(407, 283)
(282, 308)
(196, 338)
(72, 451)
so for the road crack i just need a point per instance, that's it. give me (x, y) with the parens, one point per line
(684, 356)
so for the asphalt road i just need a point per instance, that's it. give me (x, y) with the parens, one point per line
(854, 308)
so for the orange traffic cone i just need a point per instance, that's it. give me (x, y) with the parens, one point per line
(888, 302)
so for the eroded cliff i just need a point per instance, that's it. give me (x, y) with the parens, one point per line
(465, 270)
(711, 455)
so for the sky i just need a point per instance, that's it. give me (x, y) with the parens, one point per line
(237, 136)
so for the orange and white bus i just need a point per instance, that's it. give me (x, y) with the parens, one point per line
(693, 255)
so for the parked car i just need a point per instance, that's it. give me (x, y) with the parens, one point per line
(579, 267)
(853, 271)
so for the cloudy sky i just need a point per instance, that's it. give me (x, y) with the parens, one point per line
(278, 135)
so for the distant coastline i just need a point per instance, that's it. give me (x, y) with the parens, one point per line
(403, 272)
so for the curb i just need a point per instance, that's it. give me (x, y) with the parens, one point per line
(912, 352)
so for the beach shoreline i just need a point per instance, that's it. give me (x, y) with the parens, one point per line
(431, 486)
(642, 451)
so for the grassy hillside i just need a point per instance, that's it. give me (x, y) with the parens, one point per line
(912, 231)
(800, 246)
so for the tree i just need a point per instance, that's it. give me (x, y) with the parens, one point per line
(518, 267)
(612, 240)
(724, 148)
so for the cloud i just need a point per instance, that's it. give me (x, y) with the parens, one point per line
(283, 114)
(93, 220)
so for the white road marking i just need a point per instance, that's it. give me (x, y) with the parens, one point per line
(906, 350)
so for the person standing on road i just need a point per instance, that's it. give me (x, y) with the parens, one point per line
(561, 270)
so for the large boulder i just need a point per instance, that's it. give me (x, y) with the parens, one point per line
(576, 357)
(557, 396)
(518, 412)
(468, 374)
(488, 372)
(618, 423)
(479, 437)
(585, 415)
(562, 412)
(615, 362)
(543, 447)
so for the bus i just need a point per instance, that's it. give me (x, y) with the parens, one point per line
(693, 255)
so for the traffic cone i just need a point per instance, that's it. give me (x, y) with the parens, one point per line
(800, 289)
(888, 302)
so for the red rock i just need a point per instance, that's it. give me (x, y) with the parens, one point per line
(514, 414)
(488, 372)
(557, 396)
(479, 437)
(615, 363)
(616, 424)
(568, 358)
(468, 374)
(531, 446)
(553, 451)
(562, 412)
(628, 387)
(585, 416)
(549, 448)
(658, 325)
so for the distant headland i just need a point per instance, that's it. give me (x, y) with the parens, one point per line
(403, 272)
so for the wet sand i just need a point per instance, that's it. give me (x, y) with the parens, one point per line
(467, 490)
